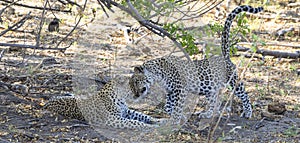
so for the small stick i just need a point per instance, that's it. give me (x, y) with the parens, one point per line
(31, 47)
(35, 7)
(17, 25)
(1, 54)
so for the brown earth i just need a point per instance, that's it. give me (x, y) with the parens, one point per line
(28, 78)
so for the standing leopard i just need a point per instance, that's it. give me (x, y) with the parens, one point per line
(107, 108)
(202, 77)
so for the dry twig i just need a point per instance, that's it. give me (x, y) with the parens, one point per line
(76, 25)
(41, 25)
(276, 54)
(276, 17)
(270, 44)
(31, 47)
(35, 7)
(1, 54)
(16, 25)
(155, 29)
(8, 7)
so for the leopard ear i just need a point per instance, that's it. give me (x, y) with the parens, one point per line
(122, 80)
(138, 69)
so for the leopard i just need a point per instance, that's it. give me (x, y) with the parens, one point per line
(201, 77)
(107, 108)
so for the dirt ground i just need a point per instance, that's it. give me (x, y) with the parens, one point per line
(29, 78)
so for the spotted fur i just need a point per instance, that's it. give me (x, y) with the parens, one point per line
(107, 108)
(203, 77)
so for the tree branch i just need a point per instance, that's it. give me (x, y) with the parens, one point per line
(276, 54)
(276, 17)
(41, 25)
(74, 3)
(76, 25)
(30, 47)
(17, 25)
(7, 7)
(151, 26)
(35, 7)
(271, 44)
(155, 29)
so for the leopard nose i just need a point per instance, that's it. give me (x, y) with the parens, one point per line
(136, 95)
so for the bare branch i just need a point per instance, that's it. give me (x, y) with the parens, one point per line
(103, 8)
(76, 25)
(204, 9)
(35, 7)
(41, 25)
(276, 54)
(284, 31)
(276, 17)
(296, 4)
(145, 23)
(74, 3)
(17, 25)
(1, 54)
(30, 47)
(271, 44)
(8, 7)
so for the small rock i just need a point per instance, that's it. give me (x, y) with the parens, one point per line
(277, 108)
(54, 25)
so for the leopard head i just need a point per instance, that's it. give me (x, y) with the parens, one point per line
(140, 83)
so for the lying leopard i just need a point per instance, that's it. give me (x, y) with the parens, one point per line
(107, 108)
(203, 77)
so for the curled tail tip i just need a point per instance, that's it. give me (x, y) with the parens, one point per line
(251, 9)
(260, 8)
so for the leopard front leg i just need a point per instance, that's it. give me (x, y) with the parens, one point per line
(135, 115)
(174, 104)
(239, 91)
(169, 106)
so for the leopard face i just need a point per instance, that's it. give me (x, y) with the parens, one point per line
(139, 85)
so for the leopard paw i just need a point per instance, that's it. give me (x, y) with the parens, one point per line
(246, 114)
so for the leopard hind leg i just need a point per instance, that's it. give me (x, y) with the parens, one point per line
(239, 91)
(242, 94)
